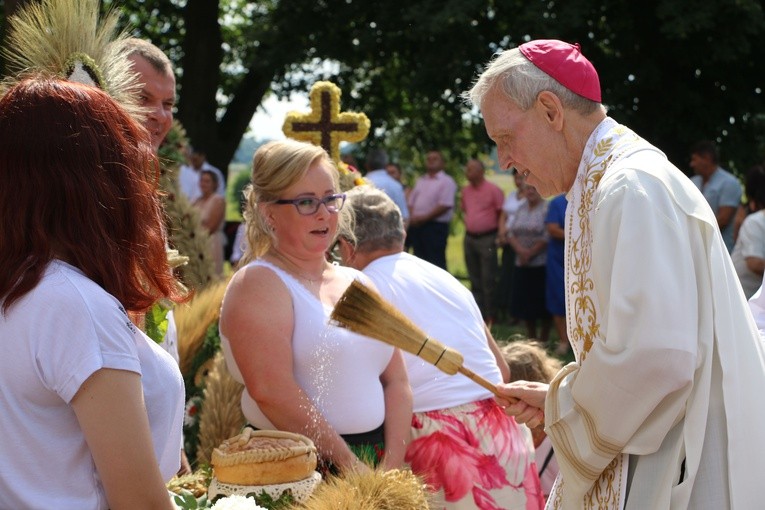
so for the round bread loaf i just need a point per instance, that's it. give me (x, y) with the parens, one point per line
(264, 457)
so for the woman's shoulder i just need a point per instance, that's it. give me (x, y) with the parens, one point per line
(350, 273)
(256, 297)
(70, 288)
(755, 220)
(347, 271)
(257, 275)
(93, 317)
(262, 283)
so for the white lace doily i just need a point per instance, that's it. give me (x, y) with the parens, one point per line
(301, 490)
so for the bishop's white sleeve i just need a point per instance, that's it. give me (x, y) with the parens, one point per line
(631, 387)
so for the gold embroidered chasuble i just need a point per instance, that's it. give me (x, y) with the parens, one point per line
(608, 143)
(669, 366)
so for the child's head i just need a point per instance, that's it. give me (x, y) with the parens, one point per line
(529, 361)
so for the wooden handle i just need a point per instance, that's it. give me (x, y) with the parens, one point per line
(483, 382)
(480, 380)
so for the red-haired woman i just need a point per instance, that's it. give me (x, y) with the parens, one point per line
(92, 408)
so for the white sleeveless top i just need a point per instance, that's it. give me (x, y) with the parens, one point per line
(339, 370)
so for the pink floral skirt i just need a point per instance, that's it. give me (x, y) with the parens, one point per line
(475, 457)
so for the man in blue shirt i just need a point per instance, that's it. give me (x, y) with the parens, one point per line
(721, 188)
(376, 161)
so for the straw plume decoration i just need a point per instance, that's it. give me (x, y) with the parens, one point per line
(362, 310)
(68, 38)
(372, 490)
(192, 320)
(221, 415)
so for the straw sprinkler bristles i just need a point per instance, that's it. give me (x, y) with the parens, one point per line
(371, 490)
(363, 311)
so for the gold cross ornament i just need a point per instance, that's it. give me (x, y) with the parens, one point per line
(325, 125)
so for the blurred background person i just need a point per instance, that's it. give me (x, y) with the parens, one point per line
(376, 161)
(555, 284)
(749, 251)
(190, 174)
(394, 170)
(510, 207)
(720, 188)
(431, 207)
(212, 215)
(528, 237)
(481, 204)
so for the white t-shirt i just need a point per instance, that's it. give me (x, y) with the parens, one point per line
(338, 369)
(54, 338)
(750, 243)
(757, 306)
(446, 311)
(511, 205)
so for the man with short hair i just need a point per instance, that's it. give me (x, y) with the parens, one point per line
(431, 207)
(456, 422)
(377, 174)
(721, 188)
(481, 204)
(158, 97)
(662, 407)
(157, 87)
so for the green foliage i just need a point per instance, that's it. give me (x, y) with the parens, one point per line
(236, 188)
(284, 501)
(194, 383)
(186, 501)
(674, 70)
(156, 322)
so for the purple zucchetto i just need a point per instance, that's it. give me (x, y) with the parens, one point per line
(565, 63)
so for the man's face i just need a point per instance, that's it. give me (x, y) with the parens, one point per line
(197, 159)
(434, 162)
(523, 142)
(157, 96)
(474, 171)
(702, 164)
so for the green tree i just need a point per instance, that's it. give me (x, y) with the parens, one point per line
(674, 70)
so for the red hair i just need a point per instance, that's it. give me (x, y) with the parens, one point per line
(79, 182)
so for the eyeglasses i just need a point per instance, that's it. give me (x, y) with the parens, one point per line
(310, 205)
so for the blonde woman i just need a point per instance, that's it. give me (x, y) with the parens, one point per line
(348, 393)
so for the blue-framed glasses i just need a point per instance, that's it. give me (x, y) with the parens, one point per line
(310, 205)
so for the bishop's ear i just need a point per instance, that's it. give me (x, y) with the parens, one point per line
(551, 108)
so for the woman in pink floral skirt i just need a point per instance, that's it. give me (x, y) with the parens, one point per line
(471, 454)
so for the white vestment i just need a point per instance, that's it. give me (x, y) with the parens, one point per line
(663, 407)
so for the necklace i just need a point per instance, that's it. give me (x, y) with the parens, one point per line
(294, 269)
